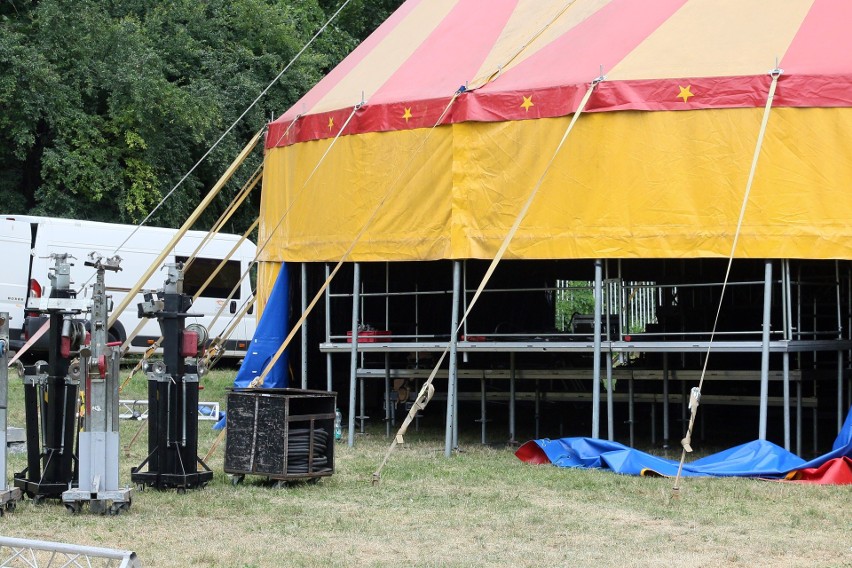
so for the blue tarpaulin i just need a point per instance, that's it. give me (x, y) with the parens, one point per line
(753, 459)
(271, 331)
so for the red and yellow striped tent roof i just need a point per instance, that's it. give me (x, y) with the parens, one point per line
(425, 142)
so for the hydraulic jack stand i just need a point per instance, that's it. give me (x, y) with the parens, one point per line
(8, 497)
(51, 395)
(99, 440)
(172, 460)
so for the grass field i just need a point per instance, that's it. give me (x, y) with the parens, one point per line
(482, 507)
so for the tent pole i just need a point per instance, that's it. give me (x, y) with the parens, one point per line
(327, 330)
(610, 408)
(764, 361)
(511, 397)
(665, 399)
(452, 388)
(305, 326)
(353, 360)
(596, 359)
(785, 305)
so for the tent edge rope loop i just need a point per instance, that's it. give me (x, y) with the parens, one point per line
(695, 393)
(497, 258)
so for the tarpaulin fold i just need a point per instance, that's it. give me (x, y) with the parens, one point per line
(758, 458)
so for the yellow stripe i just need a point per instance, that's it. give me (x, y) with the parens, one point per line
(628, 185)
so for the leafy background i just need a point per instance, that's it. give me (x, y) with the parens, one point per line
(106, 104)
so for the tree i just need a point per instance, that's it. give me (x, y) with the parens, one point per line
(107, 105)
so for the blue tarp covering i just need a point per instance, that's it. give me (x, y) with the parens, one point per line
(271, 331)
(753, 459)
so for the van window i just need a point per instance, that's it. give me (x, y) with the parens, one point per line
(201, 269)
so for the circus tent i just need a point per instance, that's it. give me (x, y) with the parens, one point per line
(424, 143)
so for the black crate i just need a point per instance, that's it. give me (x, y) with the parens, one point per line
(283, 434)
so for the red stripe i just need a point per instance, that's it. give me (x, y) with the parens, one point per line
(645, 95)
(449, 56)
(821, 45)
(321, 89)
(603, 39)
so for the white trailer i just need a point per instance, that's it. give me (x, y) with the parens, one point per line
(28, 241)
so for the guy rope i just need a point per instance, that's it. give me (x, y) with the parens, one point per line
(695, 393)
(428, 390)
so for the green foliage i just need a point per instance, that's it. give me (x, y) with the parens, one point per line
(573, 297)
(107, 105)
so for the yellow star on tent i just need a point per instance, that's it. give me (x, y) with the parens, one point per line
(407, 114)
(330, 123)
(527, 103)
(685, 93)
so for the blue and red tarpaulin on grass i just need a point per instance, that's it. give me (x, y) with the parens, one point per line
(758, 458)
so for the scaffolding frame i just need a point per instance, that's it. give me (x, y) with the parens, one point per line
(808, 333)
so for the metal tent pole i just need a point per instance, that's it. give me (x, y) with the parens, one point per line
(665, 400)
(785, 306)
(610, 420)
(353, 360)
(596, 362)
(451, 437)
(764, 361)
(327, 329)
(512, 397)
(304, 333)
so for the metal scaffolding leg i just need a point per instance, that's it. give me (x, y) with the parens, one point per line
(764, 360)
(665, 400)
(387, 396)
(353, 359)
(596, 359)
(304, 333)
(451, 434)
(483, 409)
(630, 412)
(512, 439)
(327, 329)
(786, 359)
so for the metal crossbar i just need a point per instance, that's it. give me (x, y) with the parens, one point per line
(41, 553)
(138, 410)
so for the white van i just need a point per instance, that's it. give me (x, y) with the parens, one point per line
(28, 241)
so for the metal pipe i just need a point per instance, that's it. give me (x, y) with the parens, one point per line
(764, 361)
(304, 326)
(353, 359)
(596, 362)
(665, 400)
(183, 414)
(610, 407)
(483, 408)
(630, 411)
(387, 396)
(450, 434)
(511, 397)
(786, 362)
(327, 328)
(788, 335)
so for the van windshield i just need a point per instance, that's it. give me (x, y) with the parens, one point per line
(201, 269)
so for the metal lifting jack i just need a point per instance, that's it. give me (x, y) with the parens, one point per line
(98, 370)
(172, 460)
(51, 394)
